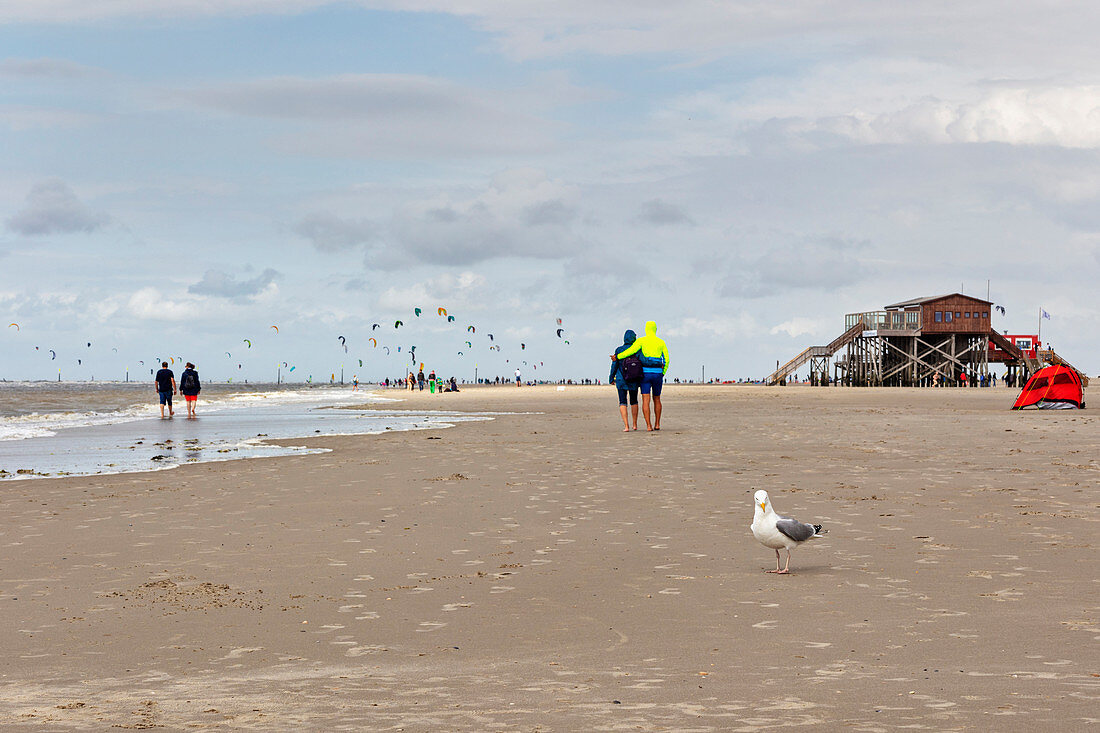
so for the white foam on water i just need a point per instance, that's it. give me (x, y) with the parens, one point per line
(39, 424)
(230, 427)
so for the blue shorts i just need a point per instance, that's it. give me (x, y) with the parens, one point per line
(165, 398)
(628, 391)
(652, 382)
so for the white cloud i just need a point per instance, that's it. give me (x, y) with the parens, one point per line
(799, 326)
(456, 292)
(1062, 116)
(1058, 35)
(151, 304)
(722, 327)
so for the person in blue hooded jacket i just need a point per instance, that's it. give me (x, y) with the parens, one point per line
(626, 389)
(654, 356)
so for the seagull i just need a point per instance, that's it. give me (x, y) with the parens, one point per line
(774, 531)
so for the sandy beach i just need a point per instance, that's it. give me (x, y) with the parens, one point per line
(544, 571)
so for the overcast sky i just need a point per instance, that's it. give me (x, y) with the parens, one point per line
(180, 175)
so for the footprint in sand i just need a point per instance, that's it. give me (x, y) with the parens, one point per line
(455, 606)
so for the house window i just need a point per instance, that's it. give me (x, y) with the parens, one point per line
(985, 314)
(966, 314)
(957, 314)
(939, 316)
(947, 317)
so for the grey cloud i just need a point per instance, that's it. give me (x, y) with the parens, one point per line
(330, 233)
(356, 284)
(445, 215)
(222, 285)
(451, 236)
(819, 265)
(390, 115)
(662, 213)
(45, 68)
(521, 214)
(53, 208)
(554, 212)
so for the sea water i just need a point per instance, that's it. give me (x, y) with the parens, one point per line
(64, 429)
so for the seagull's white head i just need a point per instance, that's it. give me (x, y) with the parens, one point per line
(760, 498)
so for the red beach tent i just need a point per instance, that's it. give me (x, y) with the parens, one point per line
(1052, 387)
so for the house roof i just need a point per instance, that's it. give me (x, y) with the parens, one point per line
(929, 298)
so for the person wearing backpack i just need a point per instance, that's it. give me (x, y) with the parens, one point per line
(190, 388)
(626, 375)
(654, 355)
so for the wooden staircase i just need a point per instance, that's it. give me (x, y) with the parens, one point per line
(814, 351)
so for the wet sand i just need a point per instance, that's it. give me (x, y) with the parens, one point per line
(546, 572)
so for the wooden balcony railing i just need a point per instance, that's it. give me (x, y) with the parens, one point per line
(884, 320)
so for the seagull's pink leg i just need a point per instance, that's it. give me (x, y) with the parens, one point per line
(777, 570)
(786, 568)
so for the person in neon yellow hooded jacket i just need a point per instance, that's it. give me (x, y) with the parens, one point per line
(654, 358)
(654, 350)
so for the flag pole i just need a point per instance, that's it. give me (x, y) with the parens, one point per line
(1039, 332)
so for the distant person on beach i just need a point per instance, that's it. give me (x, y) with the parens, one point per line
(518, 377)
(654, 356)
(166, 387)
(190, 388)
(420, 379)
(626, 375)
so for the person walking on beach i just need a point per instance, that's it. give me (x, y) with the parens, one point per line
(420, 379)
(190, 388)
(518, 377)
(654, 357)
(626, 375)
(165, 382)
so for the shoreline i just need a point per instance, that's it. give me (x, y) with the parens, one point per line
(545, 570)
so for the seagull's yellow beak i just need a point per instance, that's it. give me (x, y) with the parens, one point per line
(763, 507)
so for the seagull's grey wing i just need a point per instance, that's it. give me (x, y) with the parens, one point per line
(797, 531)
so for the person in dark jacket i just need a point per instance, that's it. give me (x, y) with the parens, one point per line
(627, 390)
(190, 388)
(165, 381)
